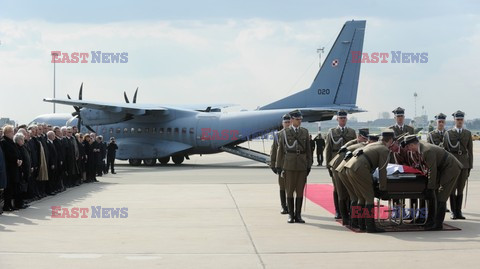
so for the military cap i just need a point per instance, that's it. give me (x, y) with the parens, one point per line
(363, 132)
(458, 114)
(409, 139)
(440, 116)
(286, 117)
(342, 113)
(399, 111)
(373, 137)
(296, 114)
(388, 133)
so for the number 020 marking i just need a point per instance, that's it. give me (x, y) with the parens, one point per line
(323, 91)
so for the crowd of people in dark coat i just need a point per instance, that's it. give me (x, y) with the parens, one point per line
(41, 160)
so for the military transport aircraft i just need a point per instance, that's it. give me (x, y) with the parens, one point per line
(151, 132)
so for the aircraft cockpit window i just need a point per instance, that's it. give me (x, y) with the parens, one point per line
(169, 130)
(125, 130)
(139, 130)
(118, 130)
(184, 130)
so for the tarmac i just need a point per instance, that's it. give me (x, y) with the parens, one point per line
(217, 211)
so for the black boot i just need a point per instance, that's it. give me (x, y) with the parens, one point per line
(342, 204)
(283, 202)
(298, 210)
(361, 217)
(354, 214)
(335, 202)
(453, 206)
(432, 211)
(459, 207)
(291, 212)
(370, 221)
(1, 202)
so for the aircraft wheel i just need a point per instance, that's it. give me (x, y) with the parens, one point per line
(178, 159)
(164, 160)
(150, 162)
(134, 162)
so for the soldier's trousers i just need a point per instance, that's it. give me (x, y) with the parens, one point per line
(295, 183)
(461, 182)
(363, 184)
(448, 181)
(281, 183)
(348, 185)
(339, 186)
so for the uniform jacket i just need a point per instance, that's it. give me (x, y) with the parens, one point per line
(436, 137)
(406, 129)
(294, 152)
(437, 161)
(460, 145)
(335, 140)
(273, 151)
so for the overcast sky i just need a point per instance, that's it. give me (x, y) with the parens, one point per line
(244, 52)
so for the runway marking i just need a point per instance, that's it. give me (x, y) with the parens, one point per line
(246, 228)
(136, 258)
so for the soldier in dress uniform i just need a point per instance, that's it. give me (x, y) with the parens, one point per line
(458, 141)
(340, 188)
(336, 138)
(273, 158)
(294, 159)
(436, 136)
(442, 172)
(400, 127)
(359, 170)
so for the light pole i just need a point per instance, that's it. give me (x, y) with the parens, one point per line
(54, 61)
(320, 51)
(415, 95)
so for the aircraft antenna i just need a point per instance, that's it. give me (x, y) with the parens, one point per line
(320, 51)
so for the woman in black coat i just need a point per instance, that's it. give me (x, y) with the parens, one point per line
(12, 164)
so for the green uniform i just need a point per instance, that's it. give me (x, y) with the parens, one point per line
(402, 130)
(443, 169)
(273, 157)
(294, 156)
(335, 139)
(360, 169)
(436, 137)
(334, 163)
(460, 144)
(342, 173)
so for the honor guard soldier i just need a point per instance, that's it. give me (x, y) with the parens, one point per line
(294, 159)
(458, 141)
(436, 136)
(360, 169)
(273, 157)
(400, 127)
(340, 188)
(336, 138)
(442, 172)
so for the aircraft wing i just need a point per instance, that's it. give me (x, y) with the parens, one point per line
(326, 113)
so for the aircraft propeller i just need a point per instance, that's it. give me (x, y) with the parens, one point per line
(134, 97)
(76, 114)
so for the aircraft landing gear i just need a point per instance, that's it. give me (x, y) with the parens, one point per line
(134, 162)
(178, 159)
(150, 162)
(164, 160)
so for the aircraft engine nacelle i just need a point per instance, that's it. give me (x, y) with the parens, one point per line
(101, 117)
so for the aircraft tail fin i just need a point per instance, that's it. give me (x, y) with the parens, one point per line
(336, 83)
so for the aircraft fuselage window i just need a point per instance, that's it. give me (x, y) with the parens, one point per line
(146, 130)
(154, 130)
(192, 130)
(104, 130)
(160, 131)
(176, 130)
(139, 130)
(111, 131)
(184, 130)
(169, 130)
(125, 130)
(118, 130)
(132, 130)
